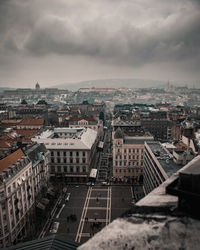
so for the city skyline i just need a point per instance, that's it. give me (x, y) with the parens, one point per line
(55, 42)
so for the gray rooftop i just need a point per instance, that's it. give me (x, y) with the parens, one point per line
(137, 139)
(164, 158)
(193, 167)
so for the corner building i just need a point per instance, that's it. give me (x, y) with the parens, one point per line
(21, 179)
(128, 153)
(72, 152)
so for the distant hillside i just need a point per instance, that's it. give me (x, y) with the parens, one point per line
(4, 88)
(114, 83)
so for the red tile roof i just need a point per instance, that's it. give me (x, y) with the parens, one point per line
(32, 121)
(10, 121)
(6, 144)
(27, 132)
(11, 159)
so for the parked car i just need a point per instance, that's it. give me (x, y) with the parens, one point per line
(54, 227)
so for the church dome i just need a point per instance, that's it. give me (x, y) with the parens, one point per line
(37, 86)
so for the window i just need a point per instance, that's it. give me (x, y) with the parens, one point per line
(52, 160)
(58, 153)
(64, 153)
(70, 153)
(52, 169)
(84, 169)
(13, 223)
(2, 194)
(71, 169)
(6, 229)
(83, 153)
(77, 153)
(84, 160)
(71, 160)
(9, 190)
(77, 169)
(77, 160)
(59, 168)
(65, 160)
(51, 153)
(58, 160)
(65, 168)
(3, 206)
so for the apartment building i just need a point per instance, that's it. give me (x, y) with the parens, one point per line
(158, 165)
(31, 123)
(72, 152)
(128, 153)
(17, 197)
(21, 179)
(87, 122)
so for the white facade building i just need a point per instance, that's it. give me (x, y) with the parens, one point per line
(72, 152)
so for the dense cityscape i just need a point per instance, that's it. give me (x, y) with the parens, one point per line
(74, 161)
(99, 125)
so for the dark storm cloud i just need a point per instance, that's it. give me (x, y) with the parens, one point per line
(132, 33)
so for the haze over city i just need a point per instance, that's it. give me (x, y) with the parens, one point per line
(57, 42)
(99, 124)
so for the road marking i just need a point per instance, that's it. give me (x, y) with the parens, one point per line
(100, 189)
(108, 209)
(110, 204)
(97, 220)
(97, 208)
(86, 235)
(84, 215)
(99, 198)
(57, 216)
(79, 227)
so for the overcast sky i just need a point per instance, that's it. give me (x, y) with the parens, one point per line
(64, 41)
